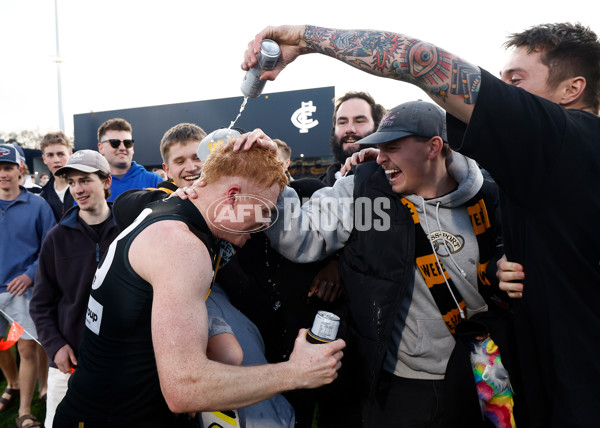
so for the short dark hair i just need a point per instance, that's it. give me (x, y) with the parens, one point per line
(568, 50)
(116, 124)
(377, 110)
(446, 150)
(103, 177)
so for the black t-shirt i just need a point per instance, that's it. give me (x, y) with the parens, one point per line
(116, 382)
(97, 227)
(546, 161)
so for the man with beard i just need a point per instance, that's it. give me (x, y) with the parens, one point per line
(355, 115)
(402, 312)
(531, 128)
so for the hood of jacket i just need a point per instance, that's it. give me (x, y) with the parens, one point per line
(134, 171)
(467, 174)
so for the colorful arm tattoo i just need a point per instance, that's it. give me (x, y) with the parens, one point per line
(398, 57)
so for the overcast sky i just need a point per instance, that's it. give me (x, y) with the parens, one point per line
(132, 53)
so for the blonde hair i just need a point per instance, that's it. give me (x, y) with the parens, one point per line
(283, 148)
(257, 164)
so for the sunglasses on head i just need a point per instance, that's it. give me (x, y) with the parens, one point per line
(115, 143)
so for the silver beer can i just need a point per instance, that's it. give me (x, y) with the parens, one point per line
(269, 53)
(324, 329)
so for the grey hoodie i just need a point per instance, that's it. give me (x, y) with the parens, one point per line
(421, 343)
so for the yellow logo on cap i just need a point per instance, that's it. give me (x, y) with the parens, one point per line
(214, 144)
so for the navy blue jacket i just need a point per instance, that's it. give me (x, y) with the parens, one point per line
(68, 260)
(58, 208)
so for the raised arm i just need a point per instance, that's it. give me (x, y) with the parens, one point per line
(450, 81)
(316, 229)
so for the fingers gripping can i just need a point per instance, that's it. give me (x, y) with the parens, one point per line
(269, 53)
(324, 328)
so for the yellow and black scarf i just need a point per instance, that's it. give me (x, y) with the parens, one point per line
(434, 273)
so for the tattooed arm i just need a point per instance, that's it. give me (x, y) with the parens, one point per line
(450, 81)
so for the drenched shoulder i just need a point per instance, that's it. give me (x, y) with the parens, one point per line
(129, 204)
(168, 246)
(169, 232)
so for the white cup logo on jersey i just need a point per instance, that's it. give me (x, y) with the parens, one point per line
(242, 213)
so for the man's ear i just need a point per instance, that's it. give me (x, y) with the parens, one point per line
(232, 192)
(572, 90)
(434, 147)
(101, 148)
(166, 168)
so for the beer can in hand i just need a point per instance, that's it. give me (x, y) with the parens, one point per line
(269, 53)
(324, 328)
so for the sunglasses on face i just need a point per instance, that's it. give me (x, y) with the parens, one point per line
(115, 143)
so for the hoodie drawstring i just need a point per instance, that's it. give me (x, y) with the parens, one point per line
(428, 233)
(437, 216)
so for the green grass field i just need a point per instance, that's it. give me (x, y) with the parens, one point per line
(9, 416)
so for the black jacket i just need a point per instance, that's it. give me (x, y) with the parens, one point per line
(329, 177)
(58, 208)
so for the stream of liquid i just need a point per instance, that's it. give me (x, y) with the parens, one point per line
(240, 113)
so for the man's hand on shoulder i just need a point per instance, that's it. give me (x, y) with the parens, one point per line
(365, 155)
(188, 192)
